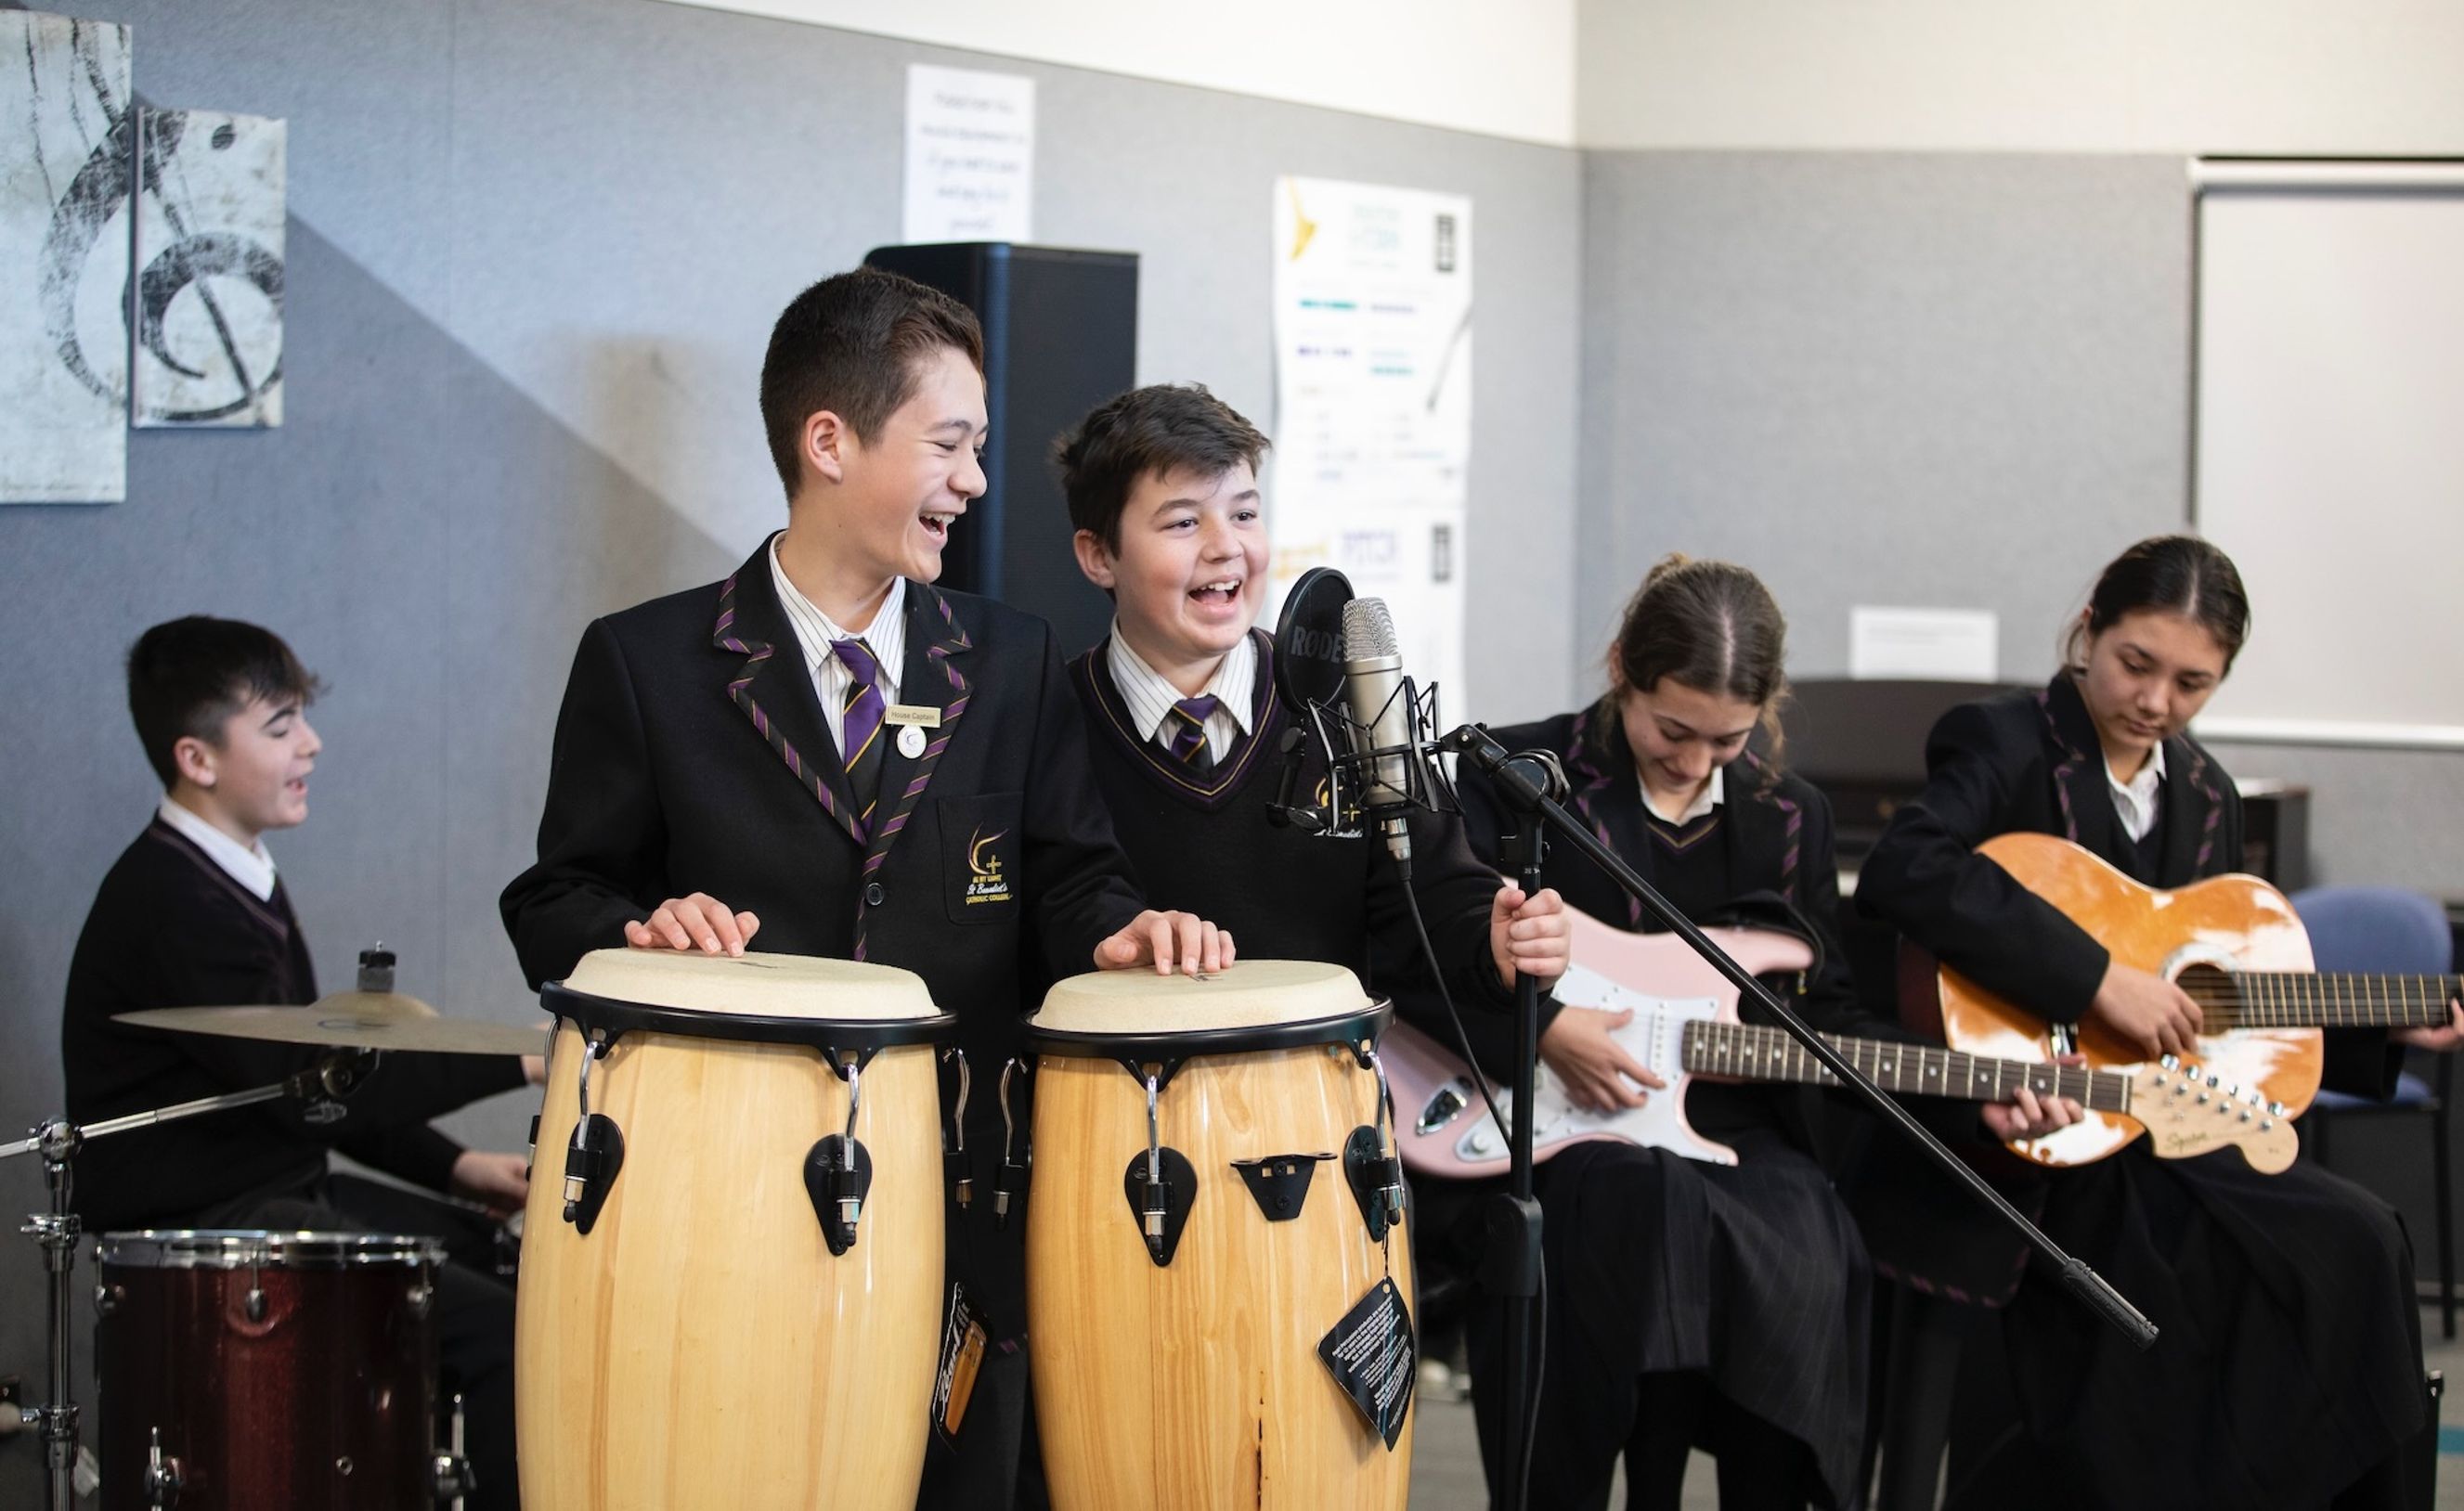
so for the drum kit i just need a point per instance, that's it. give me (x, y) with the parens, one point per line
(732, 1288)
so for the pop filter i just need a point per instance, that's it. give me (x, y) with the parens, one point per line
(1308, 642)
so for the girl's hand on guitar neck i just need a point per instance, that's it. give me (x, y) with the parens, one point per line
(1598, 1071)
(2148, 1010)
(2027, 1116)
(2440, 1040)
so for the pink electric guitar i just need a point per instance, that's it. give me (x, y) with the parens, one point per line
(1685, 1024)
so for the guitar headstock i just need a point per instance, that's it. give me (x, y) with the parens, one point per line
(2187, 1112)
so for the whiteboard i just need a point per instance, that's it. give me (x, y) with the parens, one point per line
(2329, 454)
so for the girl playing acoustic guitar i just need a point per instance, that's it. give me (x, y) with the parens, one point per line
(2288, 1371)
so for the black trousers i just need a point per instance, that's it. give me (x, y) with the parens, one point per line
(474, 1308)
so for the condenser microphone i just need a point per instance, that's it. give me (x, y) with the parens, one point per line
(1381, 719)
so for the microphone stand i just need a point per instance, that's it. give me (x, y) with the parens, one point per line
(1532, 786)
(57, 1141)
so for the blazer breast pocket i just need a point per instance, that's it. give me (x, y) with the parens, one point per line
(979, 857)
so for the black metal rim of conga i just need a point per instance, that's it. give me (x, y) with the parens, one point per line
(1356, 1031)
(251, 1248)
(606, 1015)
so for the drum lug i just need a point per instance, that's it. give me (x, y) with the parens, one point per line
(1011, 1183)
(164, 1479)
(591, 1161)
(1161, 1184)
(450, 1473)
(838, 1175)
(954, 1148)
(1376, 1180)
(1280, 1182)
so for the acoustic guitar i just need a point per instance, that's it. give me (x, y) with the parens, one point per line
(1685, 1025)
(2232, 942)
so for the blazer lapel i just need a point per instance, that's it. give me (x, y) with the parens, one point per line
(1607, 796)
(2193, 810)
(771, 689)
(1763, 825)
(2080, 792)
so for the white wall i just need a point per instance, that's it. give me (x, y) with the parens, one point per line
(1504, 69)
(2362, 77)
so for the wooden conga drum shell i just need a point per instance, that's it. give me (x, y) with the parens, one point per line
(701, 1347)
(1199, 1384)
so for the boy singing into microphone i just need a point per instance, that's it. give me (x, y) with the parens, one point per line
(1163, 494)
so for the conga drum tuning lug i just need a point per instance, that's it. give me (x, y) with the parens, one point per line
(1376, 1180)
(838, 1175)
(1161, 1184)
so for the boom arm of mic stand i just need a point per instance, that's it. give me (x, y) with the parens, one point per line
(1475, 745)
(337, 1073)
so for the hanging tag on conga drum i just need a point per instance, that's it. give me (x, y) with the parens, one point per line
(962, 1355)
(1375, 1359)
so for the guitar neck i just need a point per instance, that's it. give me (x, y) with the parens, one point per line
(2311, 999)
(1755, 1052)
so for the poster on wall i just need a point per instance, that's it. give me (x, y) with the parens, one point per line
(66, 125)
(970, 156)
(205, 315)
(1372, 405)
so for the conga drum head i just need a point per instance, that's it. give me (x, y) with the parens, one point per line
(767, 998)
(1249, 1006)
(268, 1369)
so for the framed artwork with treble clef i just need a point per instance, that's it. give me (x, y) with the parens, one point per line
(67, 138)
(206, 311)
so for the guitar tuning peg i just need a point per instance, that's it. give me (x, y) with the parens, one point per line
(2170, 1061)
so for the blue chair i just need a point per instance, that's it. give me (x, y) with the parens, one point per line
(2386, 929)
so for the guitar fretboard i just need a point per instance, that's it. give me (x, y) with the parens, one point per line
(2313, 1000)
(1757, 1051)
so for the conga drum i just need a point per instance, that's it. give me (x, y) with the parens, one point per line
(240, 1370)
(1219, 1283)
(732, 1253)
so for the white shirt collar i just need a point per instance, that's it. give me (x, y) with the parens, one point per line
(815, 631)
(249, 866)
(1714, 793)
(1150, 696)
(2134, 801)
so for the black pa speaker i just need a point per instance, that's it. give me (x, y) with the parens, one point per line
(1061, 336)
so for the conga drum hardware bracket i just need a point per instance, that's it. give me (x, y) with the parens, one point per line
(1376, 1178)
(963, 1185)
(1012, 1179)
(1161, 1184)
(596, 1151)
(838, 1168)
(1280, 1182)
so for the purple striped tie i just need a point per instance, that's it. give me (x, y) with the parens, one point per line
(860, 718)
(1189, 733)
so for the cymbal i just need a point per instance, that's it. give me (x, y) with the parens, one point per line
(351, 1020)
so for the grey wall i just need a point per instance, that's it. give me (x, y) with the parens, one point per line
(536, 247)
(1954, 380)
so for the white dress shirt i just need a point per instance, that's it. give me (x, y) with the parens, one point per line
(2134, 801)
(249, 866)
(1714, 793)
(1150, 695)
(815, 631)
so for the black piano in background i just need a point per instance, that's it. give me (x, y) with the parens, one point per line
(1863, 744)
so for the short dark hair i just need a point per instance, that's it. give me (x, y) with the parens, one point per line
(186, 677)
(1163, 429)
(2173, 575)
(1709, 626)
(852, 344)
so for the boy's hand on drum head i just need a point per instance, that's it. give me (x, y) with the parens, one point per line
(1527, 935)
(699, 922)
(1170, 941)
